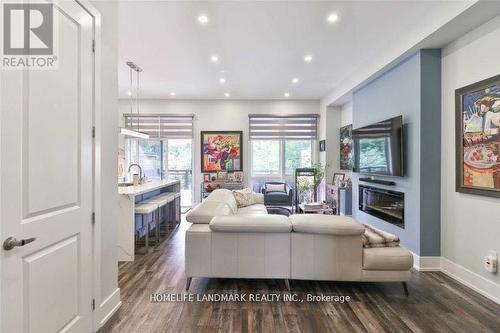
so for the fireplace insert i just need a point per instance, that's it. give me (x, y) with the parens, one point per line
(384, 204)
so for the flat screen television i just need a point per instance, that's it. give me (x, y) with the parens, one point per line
(378, 148)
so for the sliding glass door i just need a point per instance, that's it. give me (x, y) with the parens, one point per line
(178, 165)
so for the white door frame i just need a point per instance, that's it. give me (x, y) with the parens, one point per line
(98, 318)
(96, 167)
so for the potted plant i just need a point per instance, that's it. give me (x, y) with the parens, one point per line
(319, 174)
(308, 185)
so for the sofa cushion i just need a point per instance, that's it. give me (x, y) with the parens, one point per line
(247, 197)
(326, 224)
(204, 212)
(275, 188)
(258, 209)
(387, 259)
(251, 223)
(224, 196)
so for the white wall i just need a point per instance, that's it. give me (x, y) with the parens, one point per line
(346, 114)
(220, 115)
(470, 223)
(107, 293)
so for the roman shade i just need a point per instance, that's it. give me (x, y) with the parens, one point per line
(290, 127)
(161, 126)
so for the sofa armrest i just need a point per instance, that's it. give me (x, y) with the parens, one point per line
(204, 212)
(251, 223)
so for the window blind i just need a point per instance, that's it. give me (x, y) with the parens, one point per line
(290, 127)
(161, 126)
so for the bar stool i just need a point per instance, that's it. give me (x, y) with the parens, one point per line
(145, 208)
(169, 197)
(162, 201)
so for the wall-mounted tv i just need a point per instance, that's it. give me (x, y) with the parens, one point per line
(378, 148)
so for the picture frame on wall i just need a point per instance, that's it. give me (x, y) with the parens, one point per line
(222, 176)
(338, 178)
(206, 177)
(322, 145)
(221, 151)
(238, 176)
(346, 152)
(477, 135)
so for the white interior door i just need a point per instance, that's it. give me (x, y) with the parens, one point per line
(47, 183)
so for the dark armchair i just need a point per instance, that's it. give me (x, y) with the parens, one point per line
(278, 198)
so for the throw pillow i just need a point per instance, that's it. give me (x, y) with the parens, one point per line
(275, 188)
(244, 197)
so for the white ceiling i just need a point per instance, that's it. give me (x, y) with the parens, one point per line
(261, 45)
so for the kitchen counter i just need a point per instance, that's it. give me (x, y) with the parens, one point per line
(128, 197)
(146, 187)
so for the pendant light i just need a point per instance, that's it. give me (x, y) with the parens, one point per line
(130, 132)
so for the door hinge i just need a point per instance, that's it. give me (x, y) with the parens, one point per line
(93, 45)
(93, 131)
(93, 304)
(93, 218)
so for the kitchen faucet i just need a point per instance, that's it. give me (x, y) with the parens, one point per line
(140, 171)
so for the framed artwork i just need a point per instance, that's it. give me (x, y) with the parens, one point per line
(213, 176)
(338, 178)
(322, 145)
(230, 177)
(238, 176)
(477, 126)
(346, 156)
(221, 151)
(206, 177)
(222, 176)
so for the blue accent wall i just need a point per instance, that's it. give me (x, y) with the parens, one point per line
(411, 89)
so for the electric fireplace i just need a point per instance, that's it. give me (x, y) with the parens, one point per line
(384, 204)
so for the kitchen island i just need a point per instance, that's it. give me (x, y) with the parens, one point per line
(129, 196)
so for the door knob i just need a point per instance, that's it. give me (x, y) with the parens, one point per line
(11, 242)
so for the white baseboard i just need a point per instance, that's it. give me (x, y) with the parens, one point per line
(463, 275)
(107, 308)
(472, 280)
(426, 264)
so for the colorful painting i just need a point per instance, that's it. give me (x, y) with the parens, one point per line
(221, 151)
(346, 148)
(478, 138)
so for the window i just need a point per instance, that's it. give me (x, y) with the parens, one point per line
(148, 154)
(168, 152)
(298, 154)
(281, 143)
(266, 157)
(280, 158)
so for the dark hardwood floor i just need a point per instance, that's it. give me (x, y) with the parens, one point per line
(436, 303)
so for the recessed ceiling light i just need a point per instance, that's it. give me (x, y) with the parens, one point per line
(129, 93)
(227, 94)
(214, 58)
(295, 80)
(172, 93)
(287, 94)
(332, 18)
(308, 58)
(203, 19)
(222, 80)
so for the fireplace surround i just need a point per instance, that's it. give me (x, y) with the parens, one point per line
(384, 204)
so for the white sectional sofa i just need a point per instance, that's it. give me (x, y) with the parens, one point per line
(230, 242)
